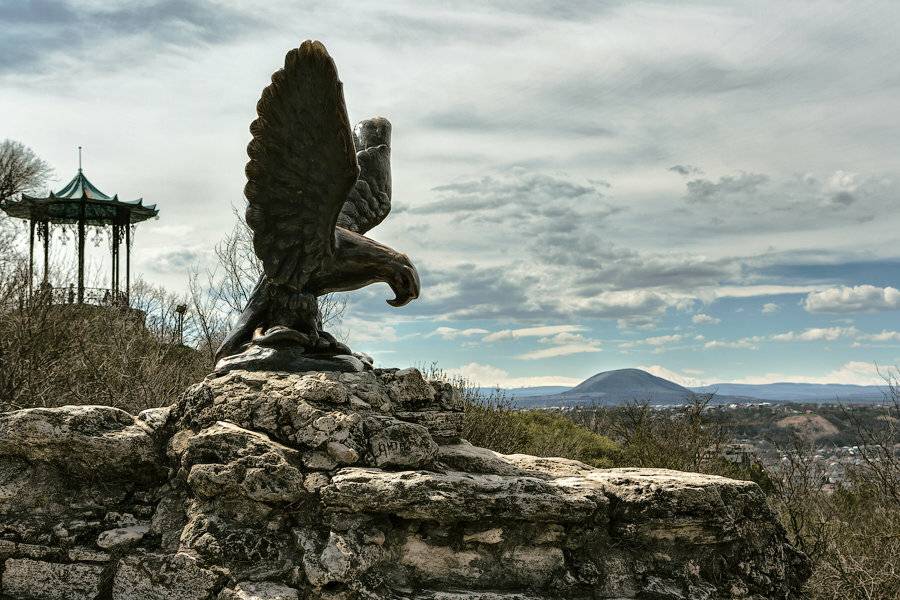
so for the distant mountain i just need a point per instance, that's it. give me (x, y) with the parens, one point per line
(612, 388)
(627, 381)
(627, 385)
(799, 392)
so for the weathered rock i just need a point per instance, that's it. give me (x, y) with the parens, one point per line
(400, 444)
(346, 486)
(153, 577)
(458, 497)
(227, 460)
(82, 439)
(472, 459)
(115, 539)
(248, 590)
(67, 474)
(37, 580)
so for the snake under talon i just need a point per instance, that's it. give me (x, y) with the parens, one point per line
(280, 334)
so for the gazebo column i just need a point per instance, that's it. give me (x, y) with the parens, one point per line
(81, 220)
(114, 280)
(30, 257)
(128, 260)
(45, 231)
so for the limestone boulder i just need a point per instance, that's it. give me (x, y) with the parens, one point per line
(459, 497)
(81, 439)
(40, 580)
(155, 577)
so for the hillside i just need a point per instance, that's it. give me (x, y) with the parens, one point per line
(799, 392)
(612, 387)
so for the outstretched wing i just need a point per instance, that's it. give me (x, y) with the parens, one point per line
(302, 166)
(369, 201)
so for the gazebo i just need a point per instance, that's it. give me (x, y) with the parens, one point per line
(80, 203)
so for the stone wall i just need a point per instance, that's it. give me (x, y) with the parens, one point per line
(282, 486)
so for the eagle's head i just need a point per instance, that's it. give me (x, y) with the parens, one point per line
(372, 132)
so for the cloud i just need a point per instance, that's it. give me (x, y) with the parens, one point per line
(361, 331)
(524, 332)
(747, 343)
(178, 260)
(770, 308)
(587, 346)
(704, 319)
(469, 119)
(655, 341)
(851, 373)
(563, 343)
(883, 336)
(624, 303)
(518, 198)
(705, 190)
(637, 323)
(816, 334)
(451, 333)
(686, 170)
(860, 298)
(37, 34)
(488, 375)
(686, 378)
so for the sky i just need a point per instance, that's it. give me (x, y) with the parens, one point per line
(706, 190)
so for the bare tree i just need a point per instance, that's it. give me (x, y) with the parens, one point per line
(21, 170)
(239, 269)
(207, 324)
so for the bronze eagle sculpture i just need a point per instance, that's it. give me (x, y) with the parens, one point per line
(314, 188)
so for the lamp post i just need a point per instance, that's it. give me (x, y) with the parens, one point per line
(181, 309)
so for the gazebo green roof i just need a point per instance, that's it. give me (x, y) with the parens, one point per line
(64, 206)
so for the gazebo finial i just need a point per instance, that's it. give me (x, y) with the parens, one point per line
(79, 159)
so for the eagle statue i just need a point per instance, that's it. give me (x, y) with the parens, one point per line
(314, 188)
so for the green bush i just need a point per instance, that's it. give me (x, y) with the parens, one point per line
(540, 433)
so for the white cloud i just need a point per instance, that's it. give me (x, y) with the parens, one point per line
(751, 291)
(853, 373)
(655, 341)
(628, 303)
(704, 319)
(360, 330)
(451, 333)
(884, 336)
(563, 344)
(747, 343)
(563, 338)
(488, 375)
(543, 330)
(564, 350)
(816, 334)
(860, 298)
(770, 308)
(685, 378)
(637, 322)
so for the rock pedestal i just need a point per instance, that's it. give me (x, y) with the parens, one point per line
(276, 486)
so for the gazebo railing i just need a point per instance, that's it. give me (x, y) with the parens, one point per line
(69, 295)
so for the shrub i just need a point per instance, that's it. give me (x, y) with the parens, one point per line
(540, 433)
(53, 355)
